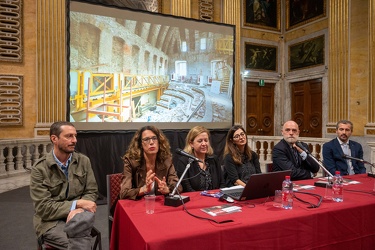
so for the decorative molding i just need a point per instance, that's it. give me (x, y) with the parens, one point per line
(370, 130)
(11, 108)
(11, 31)
(42, 132)
(331, 130)
(206, 10)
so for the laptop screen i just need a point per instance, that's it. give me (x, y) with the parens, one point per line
(260, 185)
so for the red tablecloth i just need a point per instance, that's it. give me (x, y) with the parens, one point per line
(347, 225)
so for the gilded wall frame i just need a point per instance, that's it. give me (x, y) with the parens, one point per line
(304, 11)
(260, 57)
(262, 14)
(307, 54)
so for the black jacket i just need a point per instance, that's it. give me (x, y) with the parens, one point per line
(283, 159)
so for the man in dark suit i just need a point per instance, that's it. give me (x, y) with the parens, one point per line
(286, 155)
(334, 150)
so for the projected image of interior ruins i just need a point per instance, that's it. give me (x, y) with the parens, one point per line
(144, 68)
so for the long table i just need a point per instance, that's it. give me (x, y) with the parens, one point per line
(345, 225)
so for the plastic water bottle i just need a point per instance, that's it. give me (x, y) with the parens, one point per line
(337, 188)
(287, 193)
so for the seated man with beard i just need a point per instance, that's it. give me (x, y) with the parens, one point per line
(286, 155)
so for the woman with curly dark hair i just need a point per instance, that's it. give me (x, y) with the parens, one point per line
(148, 167)
(239, 160)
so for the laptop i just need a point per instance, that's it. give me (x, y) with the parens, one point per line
(258, 186)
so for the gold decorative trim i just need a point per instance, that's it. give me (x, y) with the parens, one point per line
(11, 108)
(11, 31)
(331, 130)
(206, 10)
(42, 132)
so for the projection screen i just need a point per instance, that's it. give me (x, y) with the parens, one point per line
(129, 68)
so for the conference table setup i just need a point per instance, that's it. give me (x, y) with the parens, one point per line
(315, 222)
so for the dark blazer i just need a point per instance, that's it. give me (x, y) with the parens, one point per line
(192, 174)
(333, 160)
(233, 171)
(283, 159)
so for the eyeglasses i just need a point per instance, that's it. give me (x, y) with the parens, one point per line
(148, 139)
(237, 136)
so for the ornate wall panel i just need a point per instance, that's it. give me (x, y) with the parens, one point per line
(206, 10)
(11, 100)
(11, 30)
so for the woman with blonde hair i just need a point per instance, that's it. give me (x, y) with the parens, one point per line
(148, 167)
(240, 162)
(204, 175)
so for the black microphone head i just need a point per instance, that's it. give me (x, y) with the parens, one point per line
(178, 150)
(344, 156)
(299, 144)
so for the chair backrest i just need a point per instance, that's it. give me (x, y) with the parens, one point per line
(269, 167)
(113, 188)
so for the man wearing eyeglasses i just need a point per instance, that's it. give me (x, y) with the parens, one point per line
(286, 155)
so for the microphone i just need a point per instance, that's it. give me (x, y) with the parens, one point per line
(360, 160)
(352, 158)
(317, 183)
(181, 152)
(299, 144)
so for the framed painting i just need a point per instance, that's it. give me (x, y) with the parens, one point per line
(263, 14)
(260, 57)
(306, 54)
(304, 11)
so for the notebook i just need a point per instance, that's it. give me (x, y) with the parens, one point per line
(258, 186)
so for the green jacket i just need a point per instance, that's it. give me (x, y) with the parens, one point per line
(48, 186)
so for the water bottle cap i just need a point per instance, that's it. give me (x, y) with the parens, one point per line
(287, 177)
(337, 172)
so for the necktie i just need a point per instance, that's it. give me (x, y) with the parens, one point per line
(348, 161)
(296, 156)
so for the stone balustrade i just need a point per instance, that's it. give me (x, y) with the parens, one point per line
(263, 145)
(17, 156)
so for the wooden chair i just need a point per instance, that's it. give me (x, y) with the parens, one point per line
(113, 190)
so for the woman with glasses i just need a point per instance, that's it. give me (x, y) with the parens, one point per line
(148, 167)
(203, 175)
(239, 160)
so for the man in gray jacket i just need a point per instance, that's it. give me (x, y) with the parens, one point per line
(64, 190)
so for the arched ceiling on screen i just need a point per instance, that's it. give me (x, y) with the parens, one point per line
(149, 5)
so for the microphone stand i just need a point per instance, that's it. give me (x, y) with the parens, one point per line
(372, 166)
(364, 162)
(320, 183)
(177, 200)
